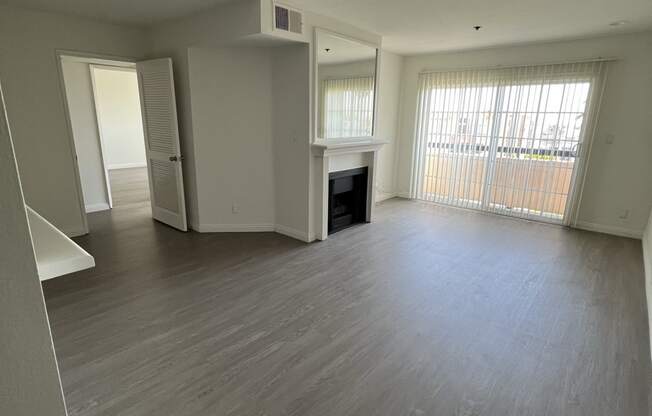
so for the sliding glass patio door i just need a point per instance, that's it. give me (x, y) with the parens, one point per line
(509, 141)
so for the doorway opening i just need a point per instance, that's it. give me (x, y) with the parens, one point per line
(105, 118)
(122, 119)
(119, 120)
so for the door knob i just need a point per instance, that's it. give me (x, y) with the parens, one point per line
(176, 158)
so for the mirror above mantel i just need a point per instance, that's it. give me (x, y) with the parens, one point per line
(345, 87)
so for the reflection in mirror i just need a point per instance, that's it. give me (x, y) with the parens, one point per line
(346, 77)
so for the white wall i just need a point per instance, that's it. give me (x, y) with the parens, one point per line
(291, 128)
(29, 379)
(218, 26)
(618, 174)
(205, 114)
(231, 104)
(118, 104)
(389, 104)
(79, 93)
(34, 96)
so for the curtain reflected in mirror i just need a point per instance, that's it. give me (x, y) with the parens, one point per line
(346, 76)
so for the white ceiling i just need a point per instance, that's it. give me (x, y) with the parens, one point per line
(415, 26)
(410, 26)
(341, 50)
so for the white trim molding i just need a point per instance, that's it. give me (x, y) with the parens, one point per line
(253, 228)
(234, 228)
(384, 196)
(609, 229)
(293, 232)
(102, 206)
(322, 148)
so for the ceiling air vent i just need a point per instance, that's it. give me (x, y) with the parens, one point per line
(287, 19)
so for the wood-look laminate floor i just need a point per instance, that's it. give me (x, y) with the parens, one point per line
(427, 311)
(129, 186)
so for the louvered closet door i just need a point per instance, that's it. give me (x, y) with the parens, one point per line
(159, 112)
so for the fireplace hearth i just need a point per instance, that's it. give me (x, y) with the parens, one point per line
(347, 198)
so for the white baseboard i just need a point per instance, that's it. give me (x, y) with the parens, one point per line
(252, 228)
(405, 195)
(97, 207)
(293, 232)
(193, 225)
(234, 228)
(127, 165)
(383, 196)
(609, 229)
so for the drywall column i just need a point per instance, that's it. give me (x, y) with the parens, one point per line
(29, 379)
(231, 104)
(389, 93)
(291, 129)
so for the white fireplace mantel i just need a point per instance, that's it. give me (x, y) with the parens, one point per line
(323, 148)
(326, 152)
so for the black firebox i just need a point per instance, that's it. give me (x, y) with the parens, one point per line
(347, 198)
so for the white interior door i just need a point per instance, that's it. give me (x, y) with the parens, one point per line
(159, 112)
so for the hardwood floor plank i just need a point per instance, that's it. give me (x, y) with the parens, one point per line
(427, 311)
(129, 186)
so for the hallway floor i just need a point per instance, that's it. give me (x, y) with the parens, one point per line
(129, 186)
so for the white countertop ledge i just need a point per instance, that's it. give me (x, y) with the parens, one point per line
(56, 254)
(335, 147)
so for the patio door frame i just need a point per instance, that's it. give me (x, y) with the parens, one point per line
(578, 175)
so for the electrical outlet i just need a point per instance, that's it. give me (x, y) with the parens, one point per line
(624, 214)
(610, 138)
(235, 208)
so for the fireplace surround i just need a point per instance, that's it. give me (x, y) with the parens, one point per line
(333, 156)
(347, 198)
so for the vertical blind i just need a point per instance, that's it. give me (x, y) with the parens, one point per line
(348, 107)
(508, 140)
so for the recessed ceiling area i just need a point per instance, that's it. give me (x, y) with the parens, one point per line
(410, 26)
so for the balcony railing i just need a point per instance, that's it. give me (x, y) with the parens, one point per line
(527, 186)
(523, 151)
